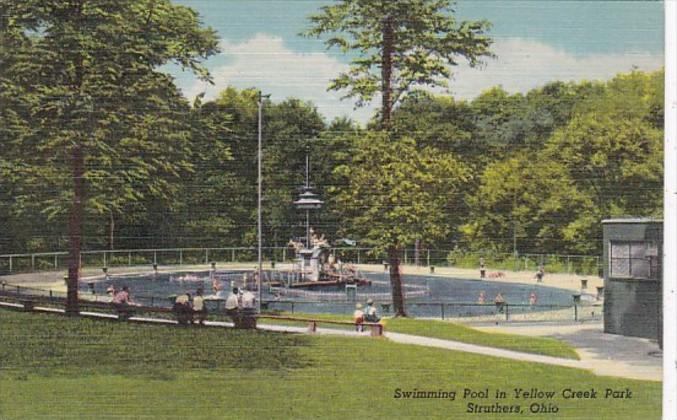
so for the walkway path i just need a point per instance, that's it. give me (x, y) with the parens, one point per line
(605, 354)
(626, 368)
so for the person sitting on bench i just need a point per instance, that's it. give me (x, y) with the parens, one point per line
(121, 301)
(358, 317)
(199, 307)
(183, 310)
(370, 314)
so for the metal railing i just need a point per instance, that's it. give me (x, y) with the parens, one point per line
(30, 262)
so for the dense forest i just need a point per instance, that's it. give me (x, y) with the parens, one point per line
(532, 173)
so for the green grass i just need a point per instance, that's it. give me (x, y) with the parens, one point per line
(56, 367)
(450, 331)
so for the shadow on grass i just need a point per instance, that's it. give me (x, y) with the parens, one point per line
(51, 345)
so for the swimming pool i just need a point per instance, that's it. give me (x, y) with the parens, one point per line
(424, 293)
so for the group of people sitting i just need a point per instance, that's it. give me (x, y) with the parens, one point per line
(241, 307)
(369, 314)
(189, 309)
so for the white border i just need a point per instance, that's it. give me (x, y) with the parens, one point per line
(670, 216)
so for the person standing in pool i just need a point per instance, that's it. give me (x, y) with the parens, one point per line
(499, 301)
(533, 299)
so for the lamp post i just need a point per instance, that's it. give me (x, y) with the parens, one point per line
(260, 180)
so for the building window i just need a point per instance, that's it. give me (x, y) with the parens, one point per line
(633, 260)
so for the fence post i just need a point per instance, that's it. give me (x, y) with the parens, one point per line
(180, 256)
(232, 255)
(292, 307)
(206, 255)
(10, 263)
(507, 312)
(56, 261)
(358, 255)
(575, 312)
(405, 255)
(32, 262)
(568, 265)
(129, 258)
(284, 254)
(428, 257)
(154, 257)
(104, 259)
(442, 309)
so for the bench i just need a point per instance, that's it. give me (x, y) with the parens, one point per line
(375, 327)
(27, 304)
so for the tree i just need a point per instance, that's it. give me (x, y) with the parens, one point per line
(88, 109)
(401, 45)
(421, 186)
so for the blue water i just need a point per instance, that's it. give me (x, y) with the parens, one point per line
(459, 295)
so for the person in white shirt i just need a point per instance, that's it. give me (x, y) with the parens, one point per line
(358, 317)
(370, 314)
(248, 300)
(199, 307)
(233, 301)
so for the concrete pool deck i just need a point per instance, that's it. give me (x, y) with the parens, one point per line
(605, 354)
(560, 280)
(54, 279)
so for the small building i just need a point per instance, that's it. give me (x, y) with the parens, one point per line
(632, 254)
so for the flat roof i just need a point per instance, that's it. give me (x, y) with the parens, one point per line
(629, 220)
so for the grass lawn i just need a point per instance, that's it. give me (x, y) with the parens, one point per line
(450, 331)
(57, 367)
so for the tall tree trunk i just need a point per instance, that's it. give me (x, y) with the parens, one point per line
(396, 281)
(75, 230)
(111, 231)
(386, 72)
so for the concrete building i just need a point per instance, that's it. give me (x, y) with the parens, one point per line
(633, 277)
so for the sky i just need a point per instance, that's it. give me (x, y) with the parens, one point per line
(535, 41)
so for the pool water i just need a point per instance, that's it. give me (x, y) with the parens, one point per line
(461, 295)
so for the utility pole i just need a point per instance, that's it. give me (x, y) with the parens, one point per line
(259, 270)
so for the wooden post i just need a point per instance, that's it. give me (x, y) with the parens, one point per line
(32, 262)
(180, 256)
